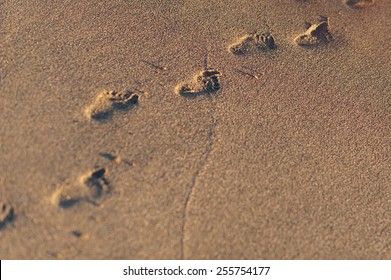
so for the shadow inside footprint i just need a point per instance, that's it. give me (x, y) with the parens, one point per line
(107, 102)
(206, 81)
(96, 182)
(316, 34)
(359, 4)
(6, 214)
(253, 42)
(89, 188)
(67, 201)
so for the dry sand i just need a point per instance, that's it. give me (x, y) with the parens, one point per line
(281, 153)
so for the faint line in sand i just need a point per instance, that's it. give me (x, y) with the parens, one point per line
(202, 163)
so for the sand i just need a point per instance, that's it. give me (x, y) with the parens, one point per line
(131, 130)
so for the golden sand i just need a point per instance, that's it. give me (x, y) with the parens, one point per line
(279, 149)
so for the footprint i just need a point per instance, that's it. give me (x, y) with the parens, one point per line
(253, 42)
(6, 214)
(90, 187)
(116, 159)
(206, 81)
(359, 4)
(108, 101)
(316, 34)
(81, 235)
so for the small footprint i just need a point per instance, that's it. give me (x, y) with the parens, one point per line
(90, 187)
(81, 235)
(253, 42)
(206, 81)
(108, 101)
(116, 159)
(359, 4)
(6, 214)
(316, 34)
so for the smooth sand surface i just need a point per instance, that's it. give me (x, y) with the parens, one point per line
(286, 155)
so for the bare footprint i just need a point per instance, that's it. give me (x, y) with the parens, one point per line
(253, 42)
(90, 187)
(116, 159)
(6, 214)
(359, 4)
(107, 101)
(206, 81)
(316, 34)
(81, 235)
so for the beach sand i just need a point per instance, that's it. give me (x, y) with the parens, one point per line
(133, 129)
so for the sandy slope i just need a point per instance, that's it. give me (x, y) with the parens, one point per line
(289, 162)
